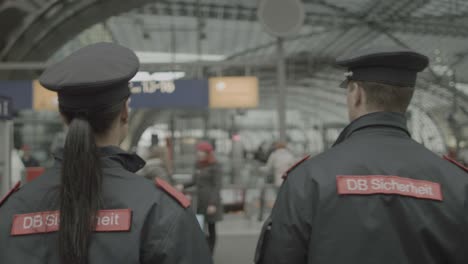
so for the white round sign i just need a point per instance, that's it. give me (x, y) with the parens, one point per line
(281, 18)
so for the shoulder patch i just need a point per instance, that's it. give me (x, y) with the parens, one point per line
(456, 163)
(285, 175)
(178, 196)
(14, 189)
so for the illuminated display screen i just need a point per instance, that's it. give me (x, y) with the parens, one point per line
(233, 92)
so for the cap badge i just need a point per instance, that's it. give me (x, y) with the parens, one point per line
(348, 74)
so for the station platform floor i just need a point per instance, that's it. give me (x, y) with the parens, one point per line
(238, 233)
(237, 239)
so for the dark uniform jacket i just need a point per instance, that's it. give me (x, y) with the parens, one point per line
(161, 229)
(343, 206)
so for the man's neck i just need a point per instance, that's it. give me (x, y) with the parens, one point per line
(364, 113)
(371, 112)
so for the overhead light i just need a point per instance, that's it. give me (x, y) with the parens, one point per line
(166, 57)
(157, 76)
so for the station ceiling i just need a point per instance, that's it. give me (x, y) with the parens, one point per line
(227, 33)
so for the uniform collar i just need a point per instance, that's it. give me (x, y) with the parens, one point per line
(111, 155)
(378, 119)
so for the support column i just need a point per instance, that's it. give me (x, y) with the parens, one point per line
(281, 74)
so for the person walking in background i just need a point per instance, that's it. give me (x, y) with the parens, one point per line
(59, 140)
(27, 158)
(263, 151)
(208, 179)
(157, 165)
(17, 166)
(162, 153)
(280, 160)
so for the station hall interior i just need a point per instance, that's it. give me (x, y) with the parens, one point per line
(243, 75)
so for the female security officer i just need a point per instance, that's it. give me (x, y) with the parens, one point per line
(91, 207)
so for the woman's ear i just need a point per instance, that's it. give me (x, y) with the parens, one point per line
(64, 119)
(125, 114)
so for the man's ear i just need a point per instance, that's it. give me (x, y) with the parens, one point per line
(362, 96)
(356, 93)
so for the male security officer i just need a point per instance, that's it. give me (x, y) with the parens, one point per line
(377, 196)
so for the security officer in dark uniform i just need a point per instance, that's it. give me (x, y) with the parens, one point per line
(377, 196)
(91, 207)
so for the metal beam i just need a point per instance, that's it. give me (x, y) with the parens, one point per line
(28, 24)
(441, 26)
(10, 66)
(42, 35)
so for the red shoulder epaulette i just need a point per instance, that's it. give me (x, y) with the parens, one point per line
(14, 189)
(178, 196)
(456, 163)
(285, 175)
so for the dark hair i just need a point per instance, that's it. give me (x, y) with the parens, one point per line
(387, 97)
(81, 181)
(154, 139)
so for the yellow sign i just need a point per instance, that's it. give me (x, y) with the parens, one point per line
(233, 92)
(44, 99)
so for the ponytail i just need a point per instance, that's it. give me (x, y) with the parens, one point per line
(81, 180)
(80, 192)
